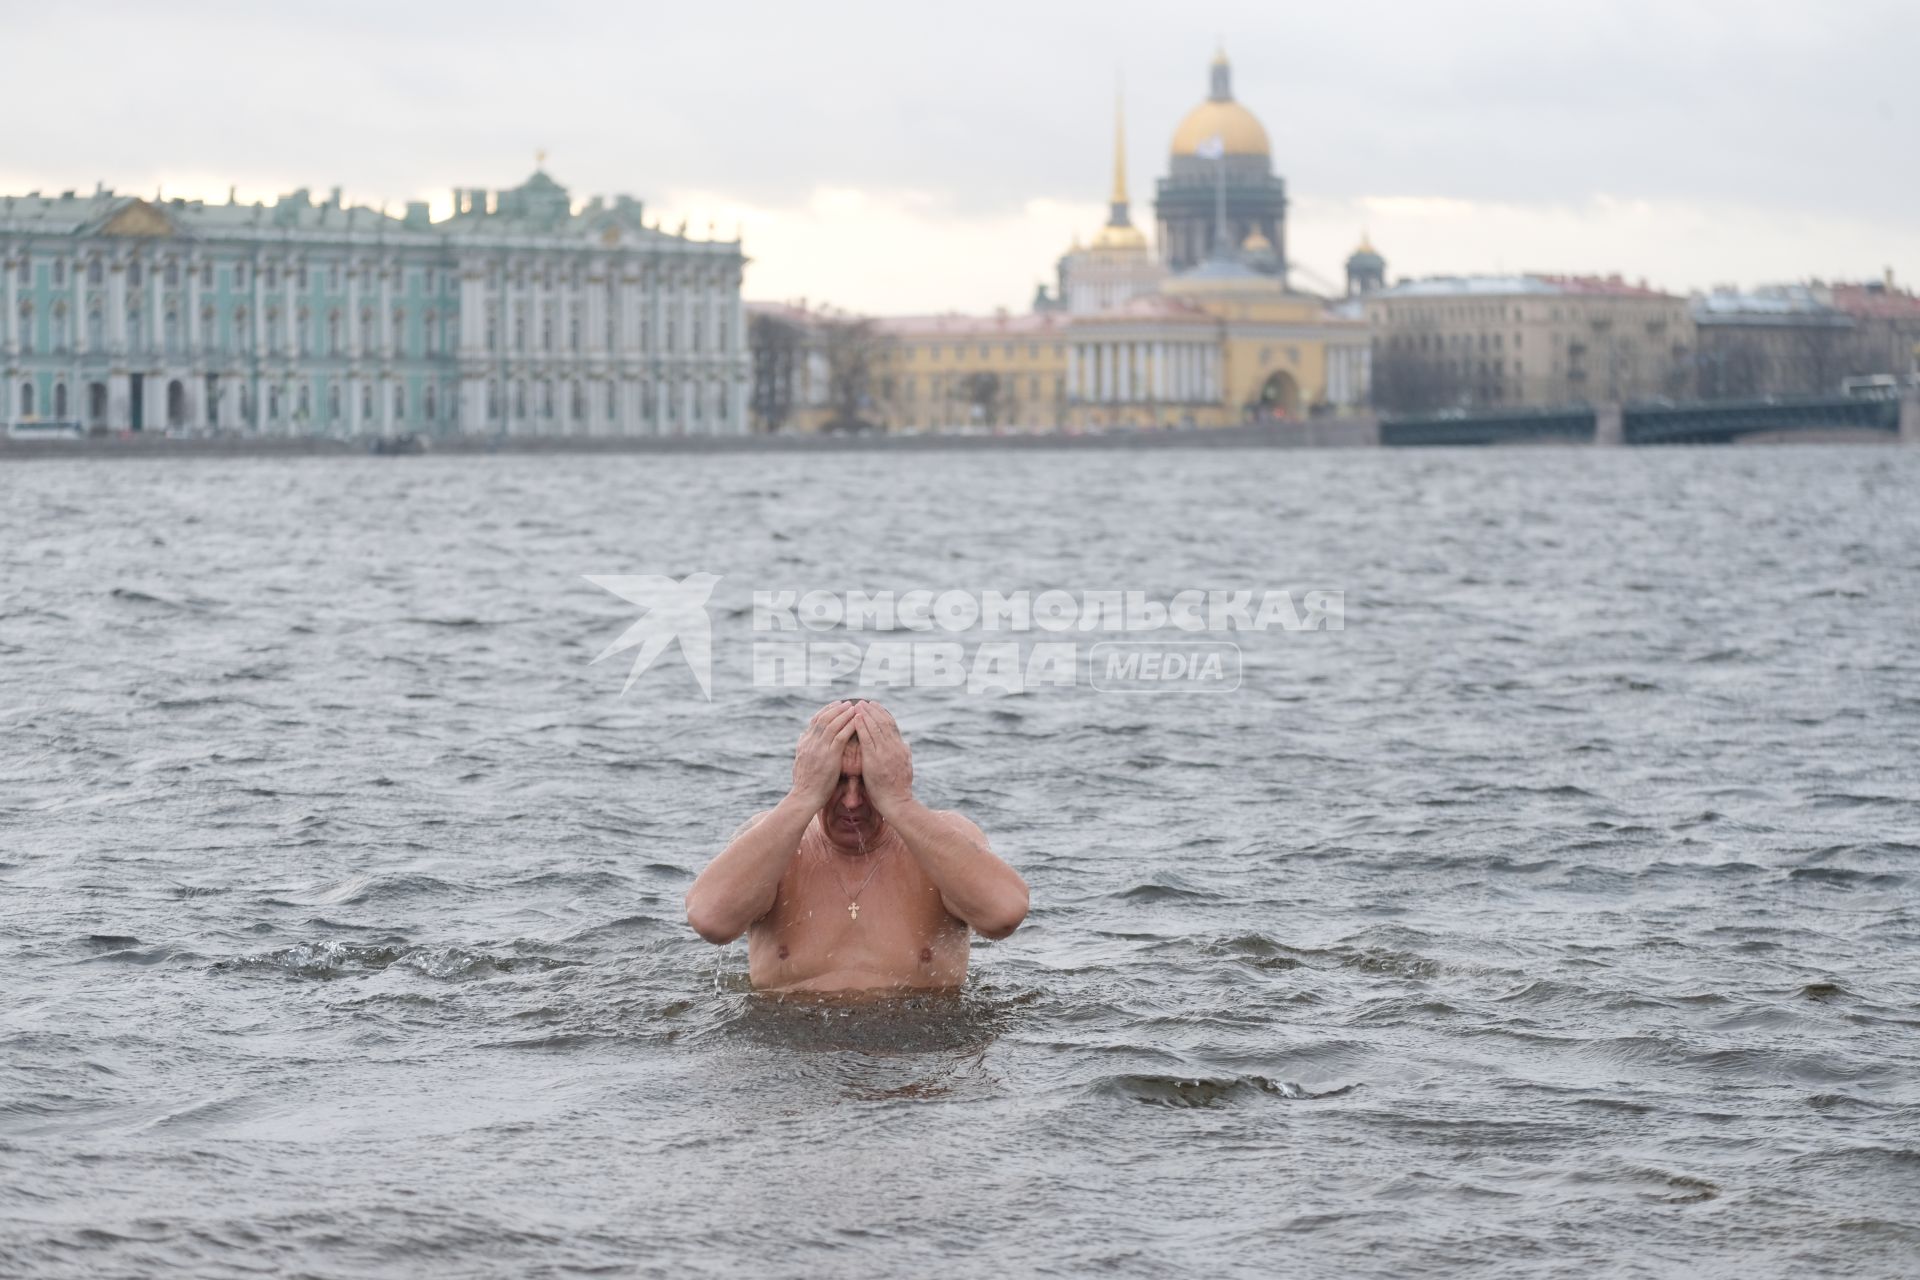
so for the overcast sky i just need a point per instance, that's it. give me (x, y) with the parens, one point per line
(909, 157)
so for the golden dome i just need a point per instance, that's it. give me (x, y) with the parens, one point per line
(1238, 130)
(1256, 242)
(1112, 237)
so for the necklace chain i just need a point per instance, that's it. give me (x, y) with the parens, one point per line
(853, 899)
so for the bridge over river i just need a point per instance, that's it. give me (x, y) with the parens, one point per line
(1696, 422)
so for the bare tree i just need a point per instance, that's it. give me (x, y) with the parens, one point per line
(851, 349)
(777, 346)
(981, 392)
(1819, 355)
(1409, 382)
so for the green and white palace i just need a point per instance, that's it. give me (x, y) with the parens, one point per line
(518, 314)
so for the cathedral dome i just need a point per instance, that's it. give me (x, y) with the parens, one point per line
(1127, 237)
(1220, 116)
(1239, 131)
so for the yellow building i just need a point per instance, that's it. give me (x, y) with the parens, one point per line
(986, 372)
(1123, 343)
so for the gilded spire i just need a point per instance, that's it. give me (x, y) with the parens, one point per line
(1119, 233)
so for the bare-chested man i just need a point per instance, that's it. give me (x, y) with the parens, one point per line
(850, 883)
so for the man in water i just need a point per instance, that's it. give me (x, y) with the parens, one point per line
(850, 883)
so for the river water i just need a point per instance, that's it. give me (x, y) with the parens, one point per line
(1559, 914)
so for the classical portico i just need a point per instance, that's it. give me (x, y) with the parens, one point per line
(1154, 357)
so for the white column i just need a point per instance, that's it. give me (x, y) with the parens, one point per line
(596, 321)
(191, 329)
(383, 326)
(10, 322)
(473, 314)
(153, 395)
(116, 307)
(153, 319)
(257, 318)
(76, 332)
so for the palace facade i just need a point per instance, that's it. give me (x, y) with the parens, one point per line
(518, 314)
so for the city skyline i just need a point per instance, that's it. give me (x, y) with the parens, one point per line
(897, 164)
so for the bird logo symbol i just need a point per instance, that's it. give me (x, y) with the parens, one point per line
(674, 610)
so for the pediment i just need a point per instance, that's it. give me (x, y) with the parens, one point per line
(139, 218)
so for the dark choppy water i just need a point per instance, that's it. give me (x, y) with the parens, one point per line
(1559, 915)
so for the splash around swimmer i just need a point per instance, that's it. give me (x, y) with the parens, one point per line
(850, 883)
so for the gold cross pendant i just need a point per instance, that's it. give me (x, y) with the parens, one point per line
(853, 911)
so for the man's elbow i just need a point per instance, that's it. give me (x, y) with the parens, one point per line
(1005, 920)
(707, 925)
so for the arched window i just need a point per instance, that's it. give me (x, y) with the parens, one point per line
(546, 399)
(579, 403)
(573, 330)
(333, 402)
(26, 327)
(242, 331)
(366, 402)
(399, 402)
(433, 408)
(300, 343)
(333, 330)
(646, 401)
(96, 329)
(26, 399)
(136, 328)
(611, 411)
(273, 403)
(133, 275)
(696, 336)
(546, 328)
(59, 335)
(172, 332)
(366, 328)
(698, 401)
(60, 402)
(520, 400)
(306, 401)
(209, 336)
(96, 271)
(433, 334)
(398, 339)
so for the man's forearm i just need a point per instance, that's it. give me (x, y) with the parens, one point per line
(738, 886)
(977, 886)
